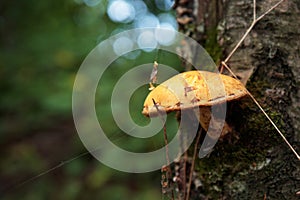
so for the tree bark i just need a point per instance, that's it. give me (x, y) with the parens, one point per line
(253, 162)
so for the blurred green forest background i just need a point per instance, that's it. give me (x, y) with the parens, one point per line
(43, 44)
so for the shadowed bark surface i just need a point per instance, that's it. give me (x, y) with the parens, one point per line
(253, 162)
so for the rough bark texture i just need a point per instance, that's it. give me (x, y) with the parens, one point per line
(254, 162)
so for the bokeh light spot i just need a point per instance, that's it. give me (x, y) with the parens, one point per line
(140, 8)
(165, 34)
(146, 41)
(164, 5)
(122, 45)
(121, 11)
(147, 21)
(168, 18)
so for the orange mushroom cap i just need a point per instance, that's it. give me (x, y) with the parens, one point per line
(193, 88)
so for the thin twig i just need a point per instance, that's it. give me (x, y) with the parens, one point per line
(272, 8)
(250, 28)
(254, 10)
(267, 116)
(169, 172)
(240, 42)
(193, 165)
(165, 133)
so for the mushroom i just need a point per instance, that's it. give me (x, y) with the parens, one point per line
(195, 89)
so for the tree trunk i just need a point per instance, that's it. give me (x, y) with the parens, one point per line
(254, 162)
